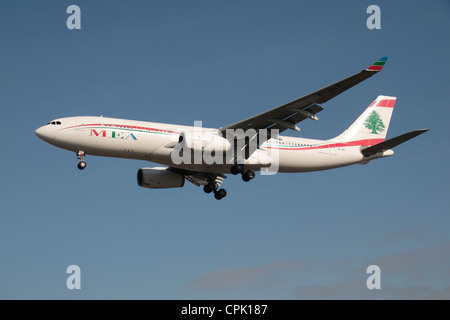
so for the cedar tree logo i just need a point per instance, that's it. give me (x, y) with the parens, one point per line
(374, 123)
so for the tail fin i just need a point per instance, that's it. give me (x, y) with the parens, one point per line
(372, 125)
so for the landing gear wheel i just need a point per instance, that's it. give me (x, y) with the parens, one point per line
(80, 155)
(219, 194)
(210, 187)
(248, 175)
(237, 168)
(82, 165)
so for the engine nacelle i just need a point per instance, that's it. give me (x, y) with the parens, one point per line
(158, 178)
(201, 141)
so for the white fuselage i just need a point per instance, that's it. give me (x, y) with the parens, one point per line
(119, 138)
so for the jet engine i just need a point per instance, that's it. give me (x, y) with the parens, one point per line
(158, 178)
(201, 141)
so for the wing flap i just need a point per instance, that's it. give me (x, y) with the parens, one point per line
(203, 178)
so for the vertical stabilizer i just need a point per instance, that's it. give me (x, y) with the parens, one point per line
(372, 125)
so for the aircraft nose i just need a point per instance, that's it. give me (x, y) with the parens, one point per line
(38, 132)
(43, 133)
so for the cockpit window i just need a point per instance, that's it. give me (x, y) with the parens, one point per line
(55, 122)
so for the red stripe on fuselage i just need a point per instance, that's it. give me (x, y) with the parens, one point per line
(121, 126)
(366, 142)
(82, 125)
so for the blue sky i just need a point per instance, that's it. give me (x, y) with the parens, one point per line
(288, 236)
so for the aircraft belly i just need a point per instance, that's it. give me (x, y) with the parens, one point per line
(316, 160)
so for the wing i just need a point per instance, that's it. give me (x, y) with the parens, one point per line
(288, 115)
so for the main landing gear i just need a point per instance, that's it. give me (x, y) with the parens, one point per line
(218, 193)
(247, 175)
(212, 185)
(82, 163)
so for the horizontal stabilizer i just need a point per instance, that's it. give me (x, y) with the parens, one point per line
(391, 143)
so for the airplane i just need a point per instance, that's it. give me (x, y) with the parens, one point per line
(250, 145)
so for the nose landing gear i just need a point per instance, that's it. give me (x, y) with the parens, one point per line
(82, 163)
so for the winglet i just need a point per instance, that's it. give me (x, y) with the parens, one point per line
(377, 66)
